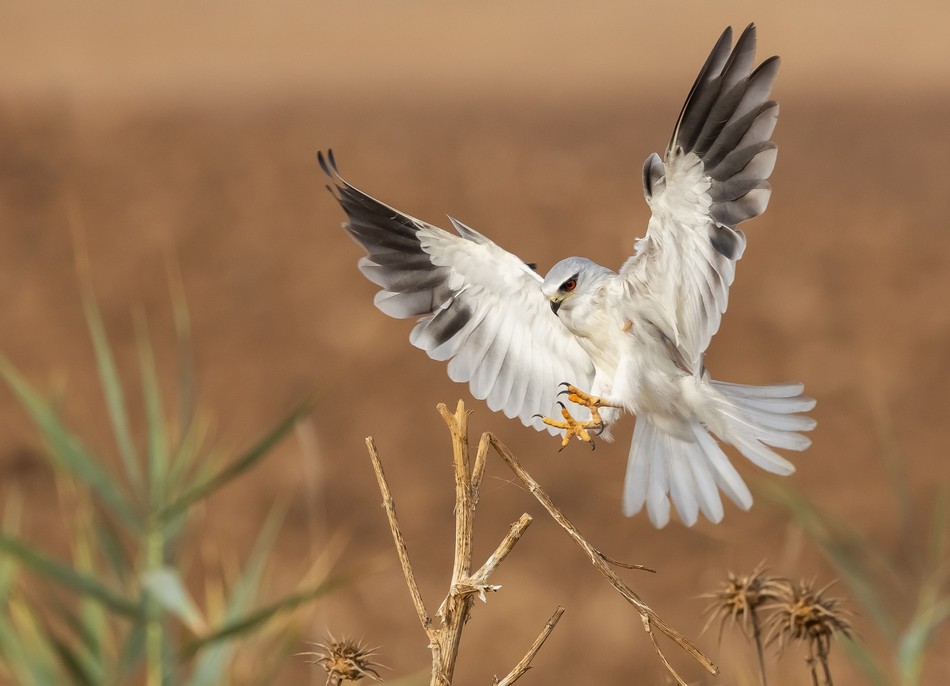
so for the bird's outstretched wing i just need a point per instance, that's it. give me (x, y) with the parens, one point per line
(480, 307)
(713, 177)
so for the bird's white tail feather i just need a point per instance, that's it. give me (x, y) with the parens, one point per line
(691, 468)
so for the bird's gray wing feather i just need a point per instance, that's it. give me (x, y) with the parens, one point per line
(713, 177)
(480, 307)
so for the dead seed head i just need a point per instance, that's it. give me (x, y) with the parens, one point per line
(345, 660)
(803, 613)
(739, 597)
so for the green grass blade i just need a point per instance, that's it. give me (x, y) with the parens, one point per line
(932, 605)
(166, 586)
(862, 656)
(912, 648)
(186, 365)
(68, 577)
(154, 417)
(111, 385)
(86, 651)
(23, 649)
(78, 658)
(213, 662)
(71, 661)
(894, 463)
(250, 621)
(238, 466)
(133, 649)
(193, 460)
(846, 550)
(111, 548)
(66, 449)
(9, 567)
(92, 628)
(937, 564)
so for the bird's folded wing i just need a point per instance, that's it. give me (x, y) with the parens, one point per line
(480, 307)
(713, 177)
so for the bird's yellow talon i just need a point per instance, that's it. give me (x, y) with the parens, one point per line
(578, 429)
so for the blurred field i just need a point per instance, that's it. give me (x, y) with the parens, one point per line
(158, 132)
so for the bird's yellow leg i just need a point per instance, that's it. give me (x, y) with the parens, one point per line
(573, 428)
(579, 429)
(592, 402)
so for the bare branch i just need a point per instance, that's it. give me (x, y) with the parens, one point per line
(464, 509)
(649, 616)
(457, 605)
(626, 565)
(401, 550)
(525, 664)
(501, 552)
(478, 470)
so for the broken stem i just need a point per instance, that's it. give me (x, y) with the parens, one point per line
(525, 663)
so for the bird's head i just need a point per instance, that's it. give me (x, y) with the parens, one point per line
(569, 279)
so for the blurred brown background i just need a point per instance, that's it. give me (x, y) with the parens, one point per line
(193, 130)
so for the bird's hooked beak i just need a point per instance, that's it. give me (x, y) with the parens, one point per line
(556, 305)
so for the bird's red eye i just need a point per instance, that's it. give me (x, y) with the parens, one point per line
(569, 285)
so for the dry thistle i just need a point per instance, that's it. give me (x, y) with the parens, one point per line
(739, 598)
(802, 613)
(345, 660)
(738, 602)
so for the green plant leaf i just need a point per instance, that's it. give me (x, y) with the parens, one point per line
(846, 550)
(250, 458)
(25, 652)
(111, 548)
(67, 576)
(72, 662)
(864, 658)
(913, 645)
(250, 621)
(212, 663)
(133, 648)
(66, 449)
(87, 652)
(111, 383)
(92, 627)
(186, 364)
(154, 417)
(166, 586)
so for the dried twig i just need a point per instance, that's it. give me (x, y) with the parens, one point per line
(650, 618)
(465, 585)
(525, 663)
(455, 608)
(501, 552)
(401, 550)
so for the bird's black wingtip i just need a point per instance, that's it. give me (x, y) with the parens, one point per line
(328, 163)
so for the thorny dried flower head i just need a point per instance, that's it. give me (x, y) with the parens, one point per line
(740, 596)
(803, 613)
(344, 660)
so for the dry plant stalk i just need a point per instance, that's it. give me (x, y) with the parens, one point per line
(464, 586)
(456, 607)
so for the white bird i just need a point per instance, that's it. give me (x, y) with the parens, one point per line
(632, 340)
